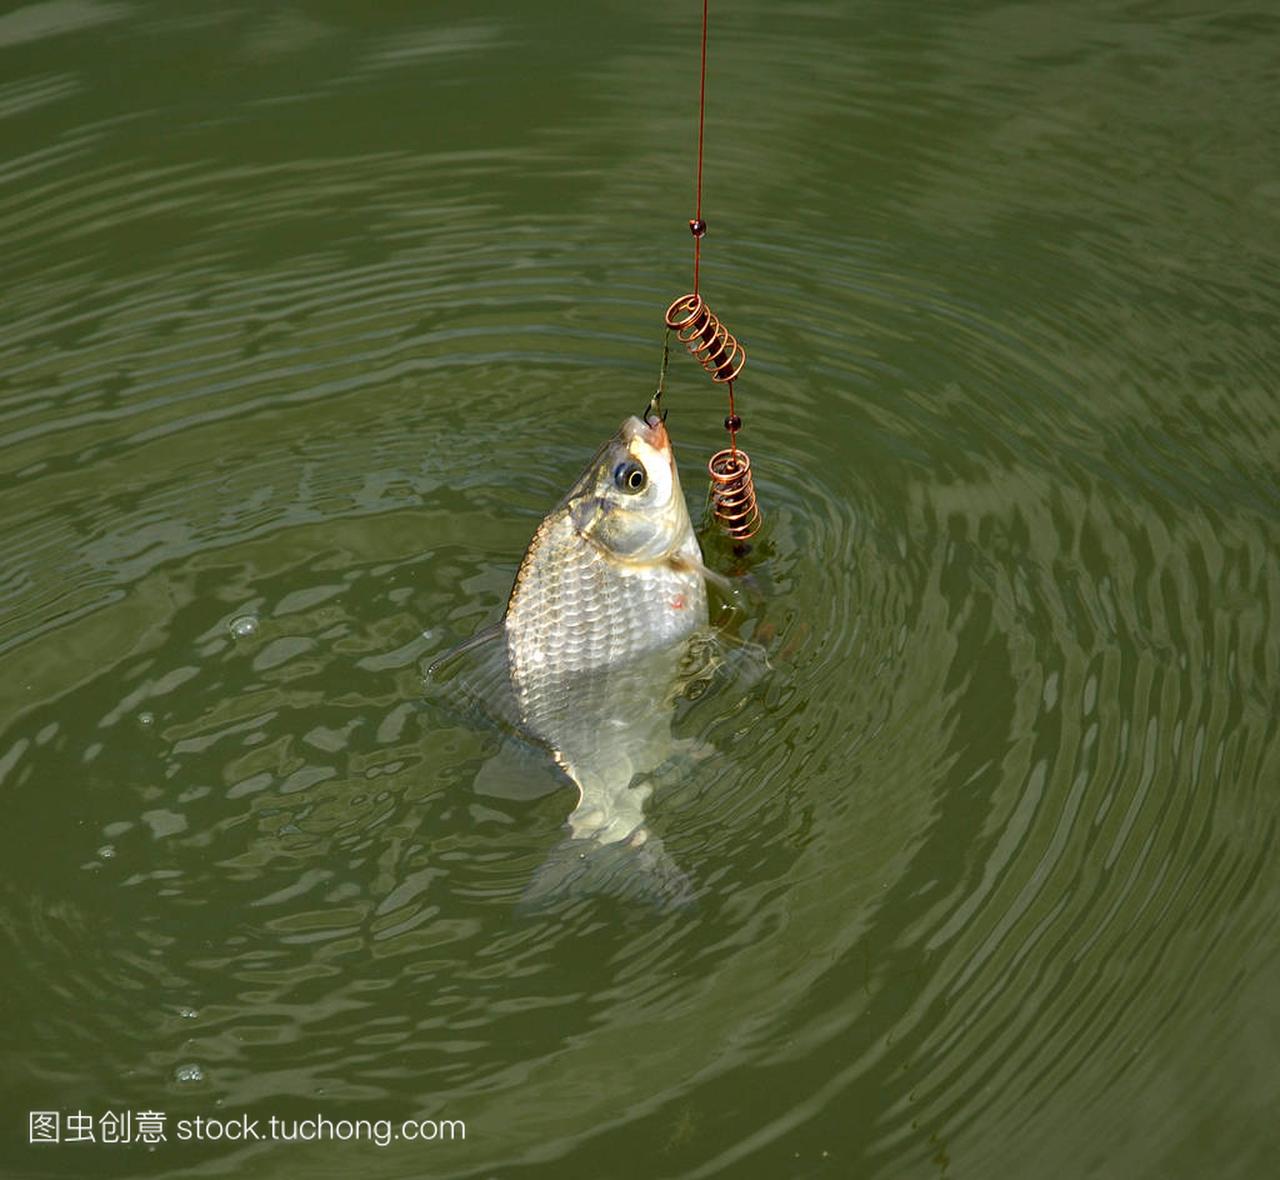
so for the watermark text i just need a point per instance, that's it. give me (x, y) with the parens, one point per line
(154, 1127)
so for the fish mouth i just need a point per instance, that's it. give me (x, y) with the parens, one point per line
(652, 432)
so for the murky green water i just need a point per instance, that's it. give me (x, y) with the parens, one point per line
(308, 313)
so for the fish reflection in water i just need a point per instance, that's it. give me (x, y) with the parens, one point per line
(605, 626)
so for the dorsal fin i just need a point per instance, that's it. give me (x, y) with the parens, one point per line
(473, 678)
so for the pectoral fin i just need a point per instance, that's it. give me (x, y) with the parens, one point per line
(685, 562)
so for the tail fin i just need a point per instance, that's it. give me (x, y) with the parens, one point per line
(637, 870)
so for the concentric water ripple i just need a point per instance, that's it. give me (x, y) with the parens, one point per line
(301, 341)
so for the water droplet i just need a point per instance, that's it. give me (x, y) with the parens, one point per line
(244, 625)
(188, 1074)
(107, 851)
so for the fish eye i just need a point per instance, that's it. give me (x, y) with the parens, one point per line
(630, 476)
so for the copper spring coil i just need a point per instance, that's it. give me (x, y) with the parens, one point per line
(709, 342)
(733, 493)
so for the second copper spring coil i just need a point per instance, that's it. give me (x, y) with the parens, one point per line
(709, 342)
(733, 493)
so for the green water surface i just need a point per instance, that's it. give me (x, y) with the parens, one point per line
(310, 311)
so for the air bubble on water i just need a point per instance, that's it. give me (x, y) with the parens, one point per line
(107, 851)
(145, 719)
(188, 1013)
(188, 1074)
(244, 626)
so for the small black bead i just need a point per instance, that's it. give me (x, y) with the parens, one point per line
(697, 226)
(733, 422)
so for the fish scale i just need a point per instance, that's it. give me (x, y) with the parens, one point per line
(573, 610)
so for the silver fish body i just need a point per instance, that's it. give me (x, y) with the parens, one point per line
(609, 592)
(600, 633)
